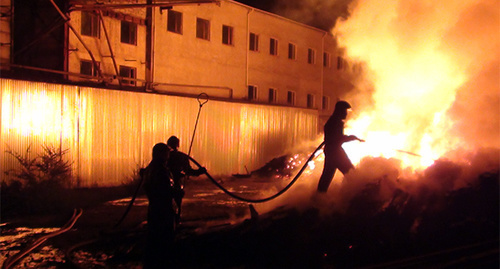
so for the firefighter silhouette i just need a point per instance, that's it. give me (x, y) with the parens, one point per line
(335, 156)
(179, 166)
(159, 191)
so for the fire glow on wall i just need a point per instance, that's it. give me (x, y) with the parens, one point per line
(110, 133)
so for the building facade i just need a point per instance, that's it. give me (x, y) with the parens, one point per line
(223, 48)
(112, 79)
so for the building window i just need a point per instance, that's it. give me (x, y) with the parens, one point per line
(128, 72)
(227, 35)
(310, 101)
(273, 46)
(174, 21)
(311, 56)
(252, 93)
(340, 63)
(88, 68)
(325, 103)
(90, 24)
(202, 28)
(291, 51)
(291, 98)
(326, 59)
(129, 33)
(254, 42)
(272, 95)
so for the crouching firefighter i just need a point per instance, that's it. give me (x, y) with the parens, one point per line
(179, 166)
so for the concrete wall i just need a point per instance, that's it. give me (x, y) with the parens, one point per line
(187, 65)
(186, 59)
(124, 54)
(5, 32)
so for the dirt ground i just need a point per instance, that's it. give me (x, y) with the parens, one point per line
(218, 231)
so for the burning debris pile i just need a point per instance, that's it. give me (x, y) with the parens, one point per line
(281, 167)
(377, 214)
(427, 179)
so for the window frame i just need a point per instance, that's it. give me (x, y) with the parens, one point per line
(94, 29)
(273, 46)
(340, 63)
(91, 67)
(292, 51)
(291, 98)
(327, 59)
(253, 42)
(132, 73)
(202, 29)
(325, 102)
(311, 100)
(252, 93)
(132, 33)
(311, 56)
(229, 35)
(174, 21)
(272, 96)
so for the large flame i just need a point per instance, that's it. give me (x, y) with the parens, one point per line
(415, 65)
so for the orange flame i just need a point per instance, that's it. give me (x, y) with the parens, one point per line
(408, 60)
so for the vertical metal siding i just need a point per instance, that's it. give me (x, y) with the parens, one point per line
(110, 133)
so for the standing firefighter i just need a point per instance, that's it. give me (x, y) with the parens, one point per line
(159, 190)
(178, 164)
(335, 156)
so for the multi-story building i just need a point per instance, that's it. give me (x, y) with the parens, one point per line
(122, 76)
(223, 48)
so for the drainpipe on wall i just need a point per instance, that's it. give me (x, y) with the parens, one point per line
(149, 45)
(320, 109)
(323, 68)
(247, 50)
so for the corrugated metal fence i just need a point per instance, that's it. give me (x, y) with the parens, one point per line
(110, 133)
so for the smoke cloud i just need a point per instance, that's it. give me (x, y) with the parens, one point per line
(475, 41)
(318, 13)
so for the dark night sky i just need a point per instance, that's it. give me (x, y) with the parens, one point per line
(260, 4)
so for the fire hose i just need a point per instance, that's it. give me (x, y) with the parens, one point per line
(14, 259)
(244, 199)
(203, 99)
(262, 200)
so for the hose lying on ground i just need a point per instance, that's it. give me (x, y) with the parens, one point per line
(14, 259)
(262, 200)
(131, 203)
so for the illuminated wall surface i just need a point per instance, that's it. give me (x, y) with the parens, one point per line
(110, 133)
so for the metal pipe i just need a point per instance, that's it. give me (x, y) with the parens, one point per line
(69, 73)
(123, 6)
(52, 71)
(149, 45)
(247, 48)
(201, 101)
(66, 20)
(109, 47)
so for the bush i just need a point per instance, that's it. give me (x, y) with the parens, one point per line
(39, 184)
